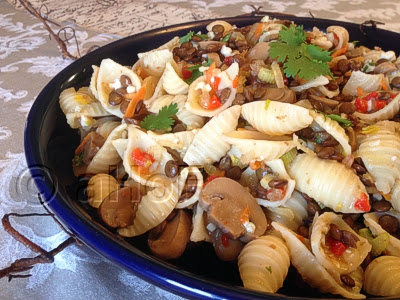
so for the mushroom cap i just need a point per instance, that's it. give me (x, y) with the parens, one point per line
(229, 206)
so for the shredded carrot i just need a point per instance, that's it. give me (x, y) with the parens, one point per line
(141, 72)
(360, 92)
(245, 215)
(301, 238)
(130, 110)
(235, 82)
(209, 72)
(256, 164)
(347, 74)
(259, 30)
(384, 85)
(340, 51)
(79, 149)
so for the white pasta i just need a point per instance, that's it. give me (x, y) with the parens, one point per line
(199, 232)
(93, 82)
(181, 184)
(380, 153)
(106, 128)
(109, 74)
(172, 83)
(179, 141)
(107, 158)
(341, 33)
(350, 259)
(153, 208)
(358, 79)
(207, 146)
(264, 263)
(283, 118)
(310, 269)
(386, 113)
(153, 62)
(329, 182)
(253, 145)
(382, 276)
(139, 139)
(395, 197)
(99, 187)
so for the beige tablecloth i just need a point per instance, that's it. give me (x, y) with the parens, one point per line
(29, 59)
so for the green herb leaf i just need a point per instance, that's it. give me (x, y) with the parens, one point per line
(299, 59)
(78, 159)
(355, 42)
(318, 139)
(269, 269)
(187, 37)
(227, 37)
(161, 121)
(343, 122)
(195, 71)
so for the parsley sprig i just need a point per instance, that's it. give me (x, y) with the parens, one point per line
(188, 36)
(161, 121)
(299, 59)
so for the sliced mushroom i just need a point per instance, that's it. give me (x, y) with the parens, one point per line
(168, 240)
(259, 51)
(118, 209)
(227, 249)
(385, 68)
(233, 209)
(280, 94)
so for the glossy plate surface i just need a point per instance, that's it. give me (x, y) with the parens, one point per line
(49, 148)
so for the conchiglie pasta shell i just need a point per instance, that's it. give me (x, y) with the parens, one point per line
(191, 120)
(106, 128)
(371, 220)
(199, 232)
(327, 181)
(386, 113)
(253, 145)
(181, 184)
(334, 129)
(341, 33)
(367, 82)
(179, 141)
(380, 153)
(278, 168)
(310, 269)
(153, 62)
(139, 139)
(172, 83)
(278, 119)
(382, 276)
(99, 187)
(107, 158)
(108, 72)
(93, 82)
(208, 146)
(395, 197)
(154, 207)
(350, 260)
(157, 104)
(120, 146)
(264, 263)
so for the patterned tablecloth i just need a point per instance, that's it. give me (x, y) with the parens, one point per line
(29, 59)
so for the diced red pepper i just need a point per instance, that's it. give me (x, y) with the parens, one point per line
(142, 160)
(379, 104)
(225, 240)
(214, 83)
(212, 177)
(214, 102)
(362, 203)
(228, 60)
(336, 247)
(186, 73)
(361, 105)
(372, 95)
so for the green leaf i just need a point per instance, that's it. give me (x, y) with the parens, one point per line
(343, 122)
(186, 38)
(195, 71)
(293, 36)
(161, 121)
(78, 159)
(318, 53)
(227, 37)
(305, 68)
(282, 51)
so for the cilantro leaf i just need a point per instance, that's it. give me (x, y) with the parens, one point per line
(196, 72)
(187, 37)
(161, 121)
(299, 58)
(78, 159)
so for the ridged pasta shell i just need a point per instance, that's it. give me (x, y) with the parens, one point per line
(350, 259)
(386, 113)
(181, 184)
(315, 82)
(99, 187)
(157, 104)
(93, 81)
(367, 82)
(371, 220)
(382, 277)
(139, 139)
(253, 145)
(278, 118)
(107, 158)
(329, 182)
(341, 33)
(334, 129)
(199, 232)
(380, 153)
(153, 62)
(120, 146)
(154, 207)
(106, 128)
(172, 83)
(264, 263)
(179, 141)
(207, 146)
(310, 269)
(395, 197)
(278, 168)
(196, 90)
(110, 71)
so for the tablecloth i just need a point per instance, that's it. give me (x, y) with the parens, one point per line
(28, 61)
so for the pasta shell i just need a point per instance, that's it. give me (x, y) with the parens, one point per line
(153, 62)
(120, 146)
(329, 182)
(367, 82)
(382, 277)
(253, 145)
(310, 269)
(181, 185)
(107, 158)
(199, 232)
(161, 101)
(276, 118)
(278, 168)
(99, 187)
(264, 263)
(350, 259)
(109, 73)
(341, 33)
(371, 220)
(139, 139)
(395, 197)
(386, 113)
(199, 87)
(158, 92)
(380, 153)
(316, 82)
(207, 146)
(172, 83)
(154, 207)
(334, 129)
(106, 128)
(179, 141)
(93, 82)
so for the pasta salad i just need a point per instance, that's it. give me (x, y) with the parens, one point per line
(277, 145)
